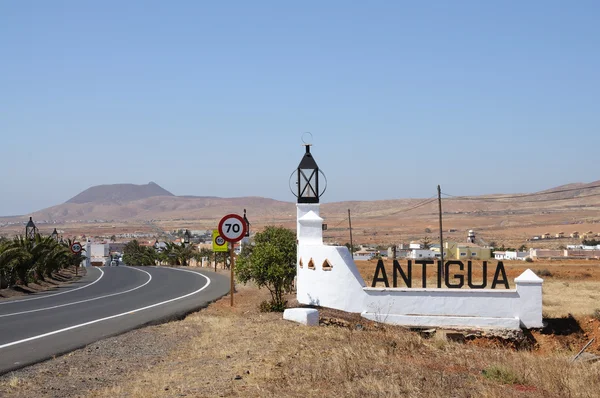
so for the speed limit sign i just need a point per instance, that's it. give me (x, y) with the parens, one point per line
(76, 247)
(232, 228)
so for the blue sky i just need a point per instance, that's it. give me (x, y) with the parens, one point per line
(211, 98)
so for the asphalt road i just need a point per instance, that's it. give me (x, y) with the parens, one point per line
(105, 302)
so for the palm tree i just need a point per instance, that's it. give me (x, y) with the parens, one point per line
(179, 254)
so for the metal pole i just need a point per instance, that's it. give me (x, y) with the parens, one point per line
(231, 285)
(441, 233)
(350, 225)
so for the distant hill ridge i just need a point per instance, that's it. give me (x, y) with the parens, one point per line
(151, 202)
(119, 193)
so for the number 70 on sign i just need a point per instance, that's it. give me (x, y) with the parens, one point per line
(232, 228)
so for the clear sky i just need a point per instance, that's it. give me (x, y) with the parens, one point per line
(211, 97)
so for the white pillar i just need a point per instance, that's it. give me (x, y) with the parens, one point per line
(302, 209)
(529, 288)
(310, 229)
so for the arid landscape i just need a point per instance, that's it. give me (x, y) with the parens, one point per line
(502, 219)
(242, 352)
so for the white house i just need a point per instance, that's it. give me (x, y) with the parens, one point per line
(511, 255)
(365, 254)
(422, 254)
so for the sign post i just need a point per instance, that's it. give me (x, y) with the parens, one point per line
(76, 249)
(232, 228)
(218, 245)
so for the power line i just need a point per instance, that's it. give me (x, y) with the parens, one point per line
(499, 200)
(421, 204)
(522, 195)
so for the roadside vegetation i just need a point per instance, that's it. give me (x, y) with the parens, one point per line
(23, 261)
(270, 263)
(172, 254)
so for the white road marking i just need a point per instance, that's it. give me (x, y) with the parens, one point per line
(113, 316)
(82, 301)
(56, 294)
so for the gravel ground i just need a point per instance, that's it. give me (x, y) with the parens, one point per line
(99, 365)
(104, 364)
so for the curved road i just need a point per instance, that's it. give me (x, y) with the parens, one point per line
(105, 302)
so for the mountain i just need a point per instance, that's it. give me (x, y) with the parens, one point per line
(150, 203)
(166, 208)
(119, 193)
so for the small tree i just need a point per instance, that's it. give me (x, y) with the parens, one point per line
(271, 263)
(425, 243)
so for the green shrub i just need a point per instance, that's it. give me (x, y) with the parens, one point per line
(596, 314)
(270, 263)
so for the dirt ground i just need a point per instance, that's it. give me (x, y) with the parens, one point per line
(241, 352)
(62, 277)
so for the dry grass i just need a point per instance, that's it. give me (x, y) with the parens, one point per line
(561, 298)
(275, 358)
(241, 352)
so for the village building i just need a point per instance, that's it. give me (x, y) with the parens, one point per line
(510, 255)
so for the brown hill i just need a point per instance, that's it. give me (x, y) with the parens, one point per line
(119, 193)
(151, 202)
(505, 218)
(165, 208)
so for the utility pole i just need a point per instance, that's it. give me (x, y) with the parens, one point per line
(350, 225)
(441, 230)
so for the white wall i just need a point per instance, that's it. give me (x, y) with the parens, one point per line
(422, 254)
(342, 287)
(510, 255)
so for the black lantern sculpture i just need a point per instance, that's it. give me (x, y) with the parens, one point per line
(308, 186)
(54, 235)
(30, 230)
(186, 237)
(247, 225)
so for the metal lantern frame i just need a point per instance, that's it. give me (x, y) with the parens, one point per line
(30, 230)
(308, 176)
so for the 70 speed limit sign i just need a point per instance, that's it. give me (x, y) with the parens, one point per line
(232, 228)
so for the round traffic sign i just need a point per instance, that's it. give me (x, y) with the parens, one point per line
(76, 247)
(219, 240)
(232, 228)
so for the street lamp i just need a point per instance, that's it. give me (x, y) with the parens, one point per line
(54, 235)
(247, 224)
(30, 230)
